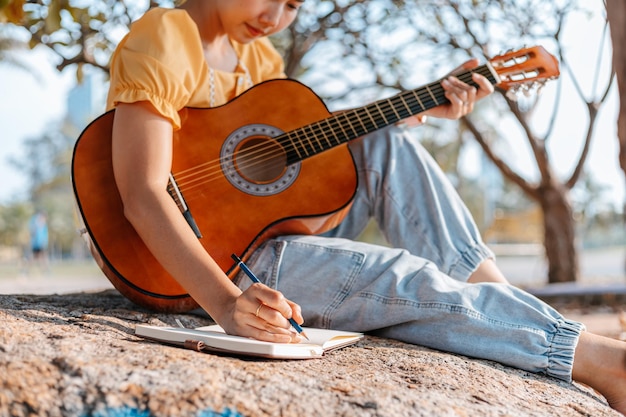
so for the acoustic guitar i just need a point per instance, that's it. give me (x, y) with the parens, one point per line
(271, 162)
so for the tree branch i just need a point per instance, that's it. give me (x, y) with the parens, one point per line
(504, 168)
(537, 145)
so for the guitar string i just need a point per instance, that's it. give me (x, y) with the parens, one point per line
(258, 155)
(355, 115)
(383, 107)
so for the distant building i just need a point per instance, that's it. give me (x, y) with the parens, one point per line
(86, 99)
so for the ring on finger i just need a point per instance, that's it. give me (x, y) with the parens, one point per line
(258, 310)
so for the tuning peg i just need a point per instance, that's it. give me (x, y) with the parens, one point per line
(511, 93)
(539, 86)
(528, 90)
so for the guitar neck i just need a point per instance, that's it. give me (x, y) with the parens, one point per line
(341, 128)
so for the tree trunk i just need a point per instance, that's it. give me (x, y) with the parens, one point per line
(560, 234)
(616, 12)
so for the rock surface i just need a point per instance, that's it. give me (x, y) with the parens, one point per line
(76, 355)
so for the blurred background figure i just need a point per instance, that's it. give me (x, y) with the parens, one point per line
(38, 227)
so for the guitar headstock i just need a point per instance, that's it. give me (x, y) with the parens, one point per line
(525, 70)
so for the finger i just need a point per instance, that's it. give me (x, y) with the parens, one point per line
(266, 319)
(468, 94)
(484, 86)
(264, 329)
(276, 301)
(270, 318)
(270, 336)
(464, 90)
(276, 310)
(470, 63)
(470, 99)
(259, 329)
(297, 312)
(456, 96)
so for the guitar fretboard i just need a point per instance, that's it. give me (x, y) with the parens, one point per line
(341, 128)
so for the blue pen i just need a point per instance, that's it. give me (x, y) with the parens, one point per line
(253, 277)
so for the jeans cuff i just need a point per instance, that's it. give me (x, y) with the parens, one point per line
(469, 261)
(561, 349)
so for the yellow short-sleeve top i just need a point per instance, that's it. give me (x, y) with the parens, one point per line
(161, 60)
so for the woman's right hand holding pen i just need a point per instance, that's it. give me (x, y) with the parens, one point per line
(262, 313)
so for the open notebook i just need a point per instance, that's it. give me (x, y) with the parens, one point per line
(213, 338)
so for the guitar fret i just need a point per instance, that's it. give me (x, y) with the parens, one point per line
(358, 119)
(300, 146)
(316, 139)
(324, 131)
(354, 127)
(432, 95)
(416, 104)
(373, 118)
(304, 141)
(308, 143)
(288, 144)
(395, 113)
(334, 129)
(420, 102)
(381, 119)
(290, 147)
(344, 115)
(405, 106)
(317, 133)
(380, 111)
(365, 121)
(368, 120)
(293, 155)
(426, 100)
(389, 113)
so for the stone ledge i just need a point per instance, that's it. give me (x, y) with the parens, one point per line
(76, 355)
(573, 294)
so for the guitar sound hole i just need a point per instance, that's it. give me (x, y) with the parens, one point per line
(260, 160)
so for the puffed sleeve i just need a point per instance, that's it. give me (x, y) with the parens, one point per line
(161, 61)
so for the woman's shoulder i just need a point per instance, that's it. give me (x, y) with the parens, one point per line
(160, 60)
(163, 18)
(162, 33)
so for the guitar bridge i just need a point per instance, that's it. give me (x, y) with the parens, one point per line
(177, 196)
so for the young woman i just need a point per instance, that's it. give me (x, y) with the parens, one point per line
(438, 286)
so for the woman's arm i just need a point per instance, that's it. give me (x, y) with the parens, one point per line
(142, 159)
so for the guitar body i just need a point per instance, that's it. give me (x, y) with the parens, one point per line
(236, 208)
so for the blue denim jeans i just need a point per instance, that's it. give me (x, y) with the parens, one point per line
(416, 290)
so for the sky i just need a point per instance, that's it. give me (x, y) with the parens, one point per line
(31, 102)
